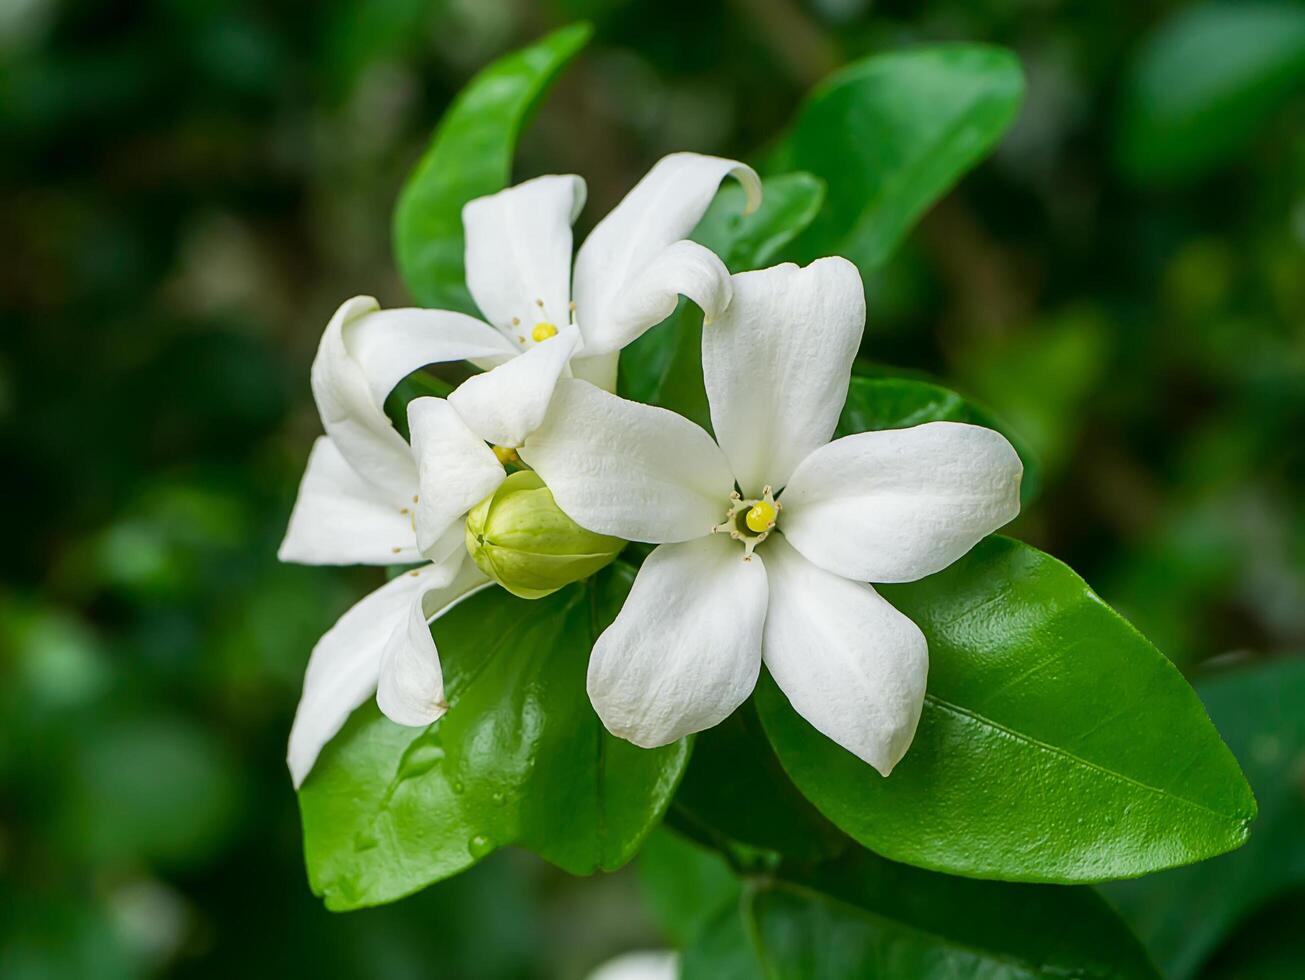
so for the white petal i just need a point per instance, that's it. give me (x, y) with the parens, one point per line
(391, 344)
(649, 296)
(341, 519)
(598, 370)
(346, 662)
(410, 690)
(897, 505)
(850, 664)
(660, 210)
(505, 405)
(518, 254)
(685, 650)
(660, 964)
(631, 470)
(455, 469)
(776, 365)
(363, 354)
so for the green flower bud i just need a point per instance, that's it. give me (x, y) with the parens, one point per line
(521, 539)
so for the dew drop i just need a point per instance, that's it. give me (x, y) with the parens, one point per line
(479, 846)
(424, 754)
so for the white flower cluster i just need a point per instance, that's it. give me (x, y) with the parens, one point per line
(766, 534)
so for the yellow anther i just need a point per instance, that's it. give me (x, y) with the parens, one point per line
(543, 331)
(506, 455)
(761, 517)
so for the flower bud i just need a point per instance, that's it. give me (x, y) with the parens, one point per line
(521, 539)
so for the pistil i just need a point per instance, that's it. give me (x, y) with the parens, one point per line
(750, 521)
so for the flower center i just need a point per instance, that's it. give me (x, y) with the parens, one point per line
(543, 330)
(750, 521)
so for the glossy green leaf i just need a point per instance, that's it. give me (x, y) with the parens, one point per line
(803, 934)
(735, 789)
(1184, 914)
(862, 915)
(664, 366)
(470, 156)
(520, 758)
(891, 134)
(875, 403)
(1056, 743)
(789, 203)
(1206, 81)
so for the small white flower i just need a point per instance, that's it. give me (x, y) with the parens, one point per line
(368, 497)
(628, 276)
(357, 504)
(766, 540)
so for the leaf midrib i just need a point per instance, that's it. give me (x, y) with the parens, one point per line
(1239, 820)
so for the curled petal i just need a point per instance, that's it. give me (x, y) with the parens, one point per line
(410, 690)
(346, 662)
(662, 209)
(363, 354)
(650, 295)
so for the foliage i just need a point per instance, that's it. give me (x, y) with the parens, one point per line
(196, 186)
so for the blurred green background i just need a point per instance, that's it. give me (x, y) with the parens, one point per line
(192, 186)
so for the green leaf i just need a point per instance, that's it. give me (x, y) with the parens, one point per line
(520, 758)
(1056, 744)
(744, 242)
(684, 886)
(736, 789)
(862, 915)
(664, 366)
(804, 934)
(723, 949)
(470, 156)
(891, 134)
(897, 403)
(1183, 915)
(1208, 79)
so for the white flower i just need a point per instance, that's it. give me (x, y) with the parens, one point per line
(628, 276)
(806, 522)
(365, 498)
(356, 506)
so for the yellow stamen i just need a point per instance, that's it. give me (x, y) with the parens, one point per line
(543, 331)
(761, 517)
(506, 454)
